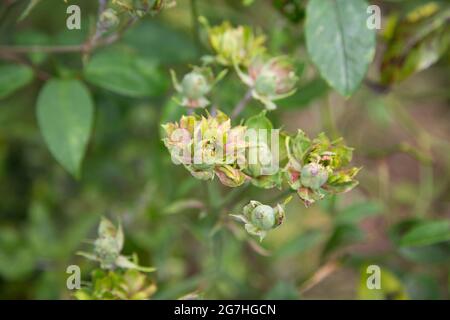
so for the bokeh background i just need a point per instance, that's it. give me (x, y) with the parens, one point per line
(173, 222)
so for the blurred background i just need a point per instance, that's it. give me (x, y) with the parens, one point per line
(400, 131)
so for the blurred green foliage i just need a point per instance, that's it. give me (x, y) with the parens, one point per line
(397, 119)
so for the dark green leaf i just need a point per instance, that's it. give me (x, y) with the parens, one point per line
(438, 253)
(123, 72)
(359, 211)
(65, 115)
(161, 43)
(300, 244)
(305, 94)
(427, 233)
(342, 235)
(13, 77)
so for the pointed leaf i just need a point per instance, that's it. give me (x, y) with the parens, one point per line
(65, 114)
(339, 42)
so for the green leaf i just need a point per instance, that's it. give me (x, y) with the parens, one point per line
(391, 288)
(418, 41)
(305, 94)
(31, 38)
(161, 43)
(300, 244)
(65, 115)
(438, 253)
(427, 233)
(13, 77)
(359, 211)
(121, 71)
(339, 42)
(260, 121)
(422, 287)
(283, 290)
(343, 235)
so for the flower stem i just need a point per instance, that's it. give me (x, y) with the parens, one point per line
(195, 24)
(241, 104)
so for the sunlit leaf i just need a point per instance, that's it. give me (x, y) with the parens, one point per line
(339, 42)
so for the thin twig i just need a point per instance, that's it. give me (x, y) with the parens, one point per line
(319, 275)
(241, 104)
(90, 44)
(195, 24)
(46, 49)
(14, 58)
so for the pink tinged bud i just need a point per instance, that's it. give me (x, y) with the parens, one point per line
(313, 175)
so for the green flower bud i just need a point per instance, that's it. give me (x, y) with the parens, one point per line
(208, 147)
(274, 78)
(260, 218)
(109, 19)
(315, 167)
(107, 248)
(313, 175)
(270, 80)
(195, 85)
(263, 217)
(107, 252)
(234, 46)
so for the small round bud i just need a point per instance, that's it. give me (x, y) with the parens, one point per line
(195, 85)
(263, 217)
(109, 19)
(107, 251)
(266, 83)
(313, 175)
(274, 77)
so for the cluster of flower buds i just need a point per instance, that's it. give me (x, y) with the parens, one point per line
(270, 79)
(195, 85)
(208, 146)
(317, 167)
(259, 218)
(108, 246)
(234, 46)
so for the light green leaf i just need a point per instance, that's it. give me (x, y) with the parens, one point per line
(13, 77)
(300, 244)
(391, 288)
(339, 42)
(427, 233)
(65, 115)
(121, 71)
(260, 121)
